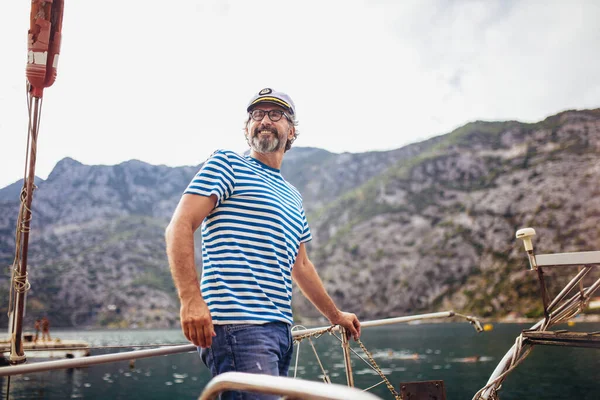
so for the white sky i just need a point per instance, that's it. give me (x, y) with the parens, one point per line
(168, 82)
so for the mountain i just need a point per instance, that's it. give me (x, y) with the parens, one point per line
(426, 227)
(437, 231)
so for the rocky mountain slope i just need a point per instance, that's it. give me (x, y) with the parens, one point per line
(429, 226)
(438, 231)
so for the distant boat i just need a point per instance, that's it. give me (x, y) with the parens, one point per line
(46, 349)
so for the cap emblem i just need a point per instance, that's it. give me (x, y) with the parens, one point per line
(265, 91)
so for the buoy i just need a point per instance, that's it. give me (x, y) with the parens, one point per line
(488, 327)
(571, 323)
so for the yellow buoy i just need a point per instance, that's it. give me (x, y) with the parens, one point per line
(571, 323)
(488, 327)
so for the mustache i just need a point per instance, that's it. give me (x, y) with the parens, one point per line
(265, 128)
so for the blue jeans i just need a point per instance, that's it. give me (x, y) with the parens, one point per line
(259, 349)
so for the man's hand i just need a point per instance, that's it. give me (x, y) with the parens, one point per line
(196, 322)
(350, 322)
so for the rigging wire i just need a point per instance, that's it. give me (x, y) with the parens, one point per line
(371, 363)
(20, 227)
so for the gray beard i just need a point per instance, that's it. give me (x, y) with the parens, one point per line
(265, 144)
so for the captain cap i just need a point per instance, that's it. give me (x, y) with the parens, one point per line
(268, 95)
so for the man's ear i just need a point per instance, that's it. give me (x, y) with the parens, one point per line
(292, 132)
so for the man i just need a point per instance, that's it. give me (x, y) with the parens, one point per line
(254, 231)
(37, 326)
(45, 329)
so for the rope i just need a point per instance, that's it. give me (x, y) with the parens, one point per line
(28, 89)
(373, 365)
(21, 284)
(360, 357)
(379, 371)
(315, 334)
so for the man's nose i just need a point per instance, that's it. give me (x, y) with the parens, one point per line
(266, 120)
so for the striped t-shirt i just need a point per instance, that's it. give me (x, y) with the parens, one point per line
(250, 240)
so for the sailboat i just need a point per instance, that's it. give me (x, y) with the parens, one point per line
(44, 45)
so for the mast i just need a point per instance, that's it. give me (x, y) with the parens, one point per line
(42, 61)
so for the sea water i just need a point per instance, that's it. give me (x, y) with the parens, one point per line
(452, 352)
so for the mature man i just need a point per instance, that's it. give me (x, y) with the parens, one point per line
(254, 231)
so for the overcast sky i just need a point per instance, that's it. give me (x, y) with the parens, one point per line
(168, 82)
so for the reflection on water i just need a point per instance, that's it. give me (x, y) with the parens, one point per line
(450, 352)
(59, 384)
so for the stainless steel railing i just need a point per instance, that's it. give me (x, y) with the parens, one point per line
(132, 355)
(282, 386)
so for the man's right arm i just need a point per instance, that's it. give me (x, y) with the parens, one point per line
(196, 321)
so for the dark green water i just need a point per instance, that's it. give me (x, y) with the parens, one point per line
(405, 352)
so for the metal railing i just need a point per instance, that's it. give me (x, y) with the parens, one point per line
(282, 386)
(132, 355)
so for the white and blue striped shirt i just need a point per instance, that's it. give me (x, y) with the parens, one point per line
(250, 239)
